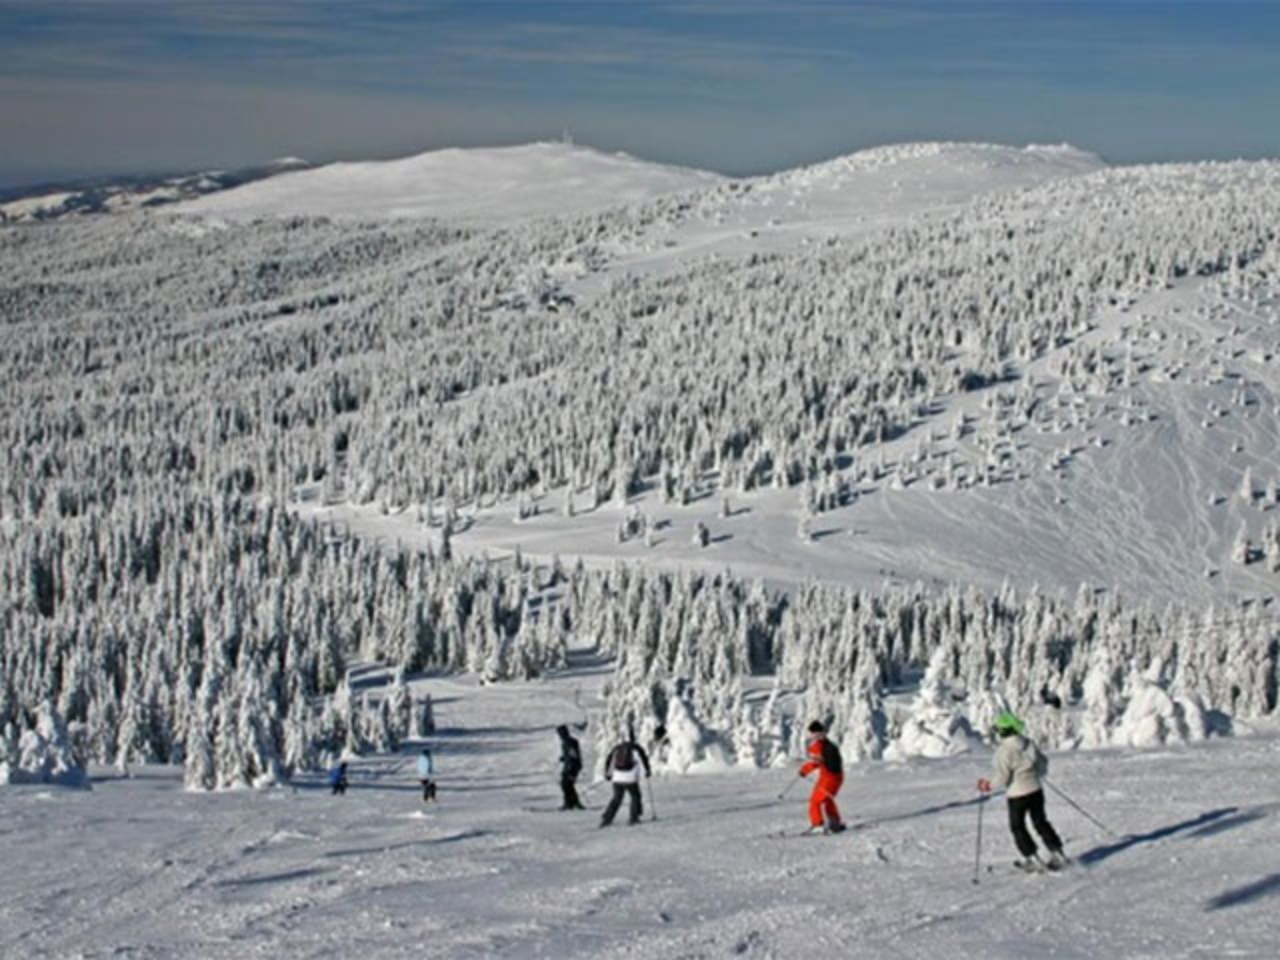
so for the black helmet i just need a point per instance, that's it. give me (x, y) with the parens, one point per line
(817, 727)
(562, 730)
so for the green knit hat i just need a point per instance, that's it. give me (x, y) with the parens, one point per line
(1009, 723)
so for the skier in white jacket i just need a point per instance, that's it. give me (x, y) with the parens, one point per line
(1019, 767)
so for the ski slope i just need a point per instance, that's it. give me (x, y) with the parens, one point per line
(138, 867)
(1116, 461)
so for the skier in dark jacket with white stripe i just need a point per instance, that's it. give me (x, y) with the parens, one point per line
(623, 770)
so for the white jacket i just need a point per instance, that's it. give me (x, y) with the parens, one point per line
(1019, 765)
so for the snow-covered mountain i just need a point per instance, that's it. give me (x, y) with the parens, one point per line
(509, 184)
(493, 185)
(896, 441)
(898, 181)
(123, 195)
(1066, 412)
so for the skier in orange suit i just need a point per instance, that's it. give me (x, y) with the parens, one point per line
(824, 815)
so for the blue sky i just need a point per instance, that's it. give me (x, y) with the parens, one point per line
(739, 86)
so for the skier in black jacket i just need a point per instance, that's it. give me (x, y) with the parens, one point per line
(570, 767)
(623, 770)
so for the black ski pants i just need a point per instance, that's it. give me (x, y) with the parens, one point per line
(620, 790)
(428, 789)
(1033, 804)
(569, 787)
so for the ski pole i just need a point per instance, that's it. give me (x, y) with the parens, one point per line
(1085, 813)
(788, 787)
(653, 807)
(977, 849)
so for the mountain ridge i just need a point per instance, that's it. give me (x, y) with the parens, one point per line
(501, 184)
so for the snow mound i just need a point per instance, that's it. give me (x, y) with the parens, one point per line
(936, 727)
(41, 755)
(1153, 718)
(491, 185)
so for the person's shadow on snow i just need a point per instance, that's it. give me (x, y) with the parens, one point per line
(1214, 817)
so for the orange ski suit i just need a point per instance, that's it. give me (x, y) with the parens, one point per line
(822, 802)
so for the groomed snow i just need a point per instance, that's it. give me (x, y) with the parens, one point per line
(140, 868)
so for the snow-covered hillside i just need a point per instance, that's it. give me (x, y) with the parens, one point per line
(716, 214)
(848, 196)
(718, 869)
(1125, 473)
(896, 441)
(496, 185)
(1113, 457)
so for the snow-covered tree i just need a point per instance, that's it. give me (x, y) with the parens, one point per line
(43, 753)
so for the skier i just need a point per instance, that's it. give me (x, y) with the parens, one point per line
(824, 815)
(623, 770)
(338, 779)
(1019, 767)
(570, 767)
(426, 767)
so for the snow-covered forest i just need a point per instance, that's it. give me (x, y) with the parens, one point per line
(1087, 673)
(185, 395)
(312, 471)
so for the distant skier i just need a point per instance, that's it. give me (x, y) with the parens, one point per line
(426, 770)
(1019, 767)
(623, 770)
(570, 767)
(824, 815)
(338, 779)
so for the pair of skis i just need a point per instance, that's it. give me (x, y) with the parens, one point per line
(810, 832)
(1036, 865)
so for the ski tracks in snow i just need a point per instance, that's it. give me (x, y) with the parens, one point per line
(141, 867)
